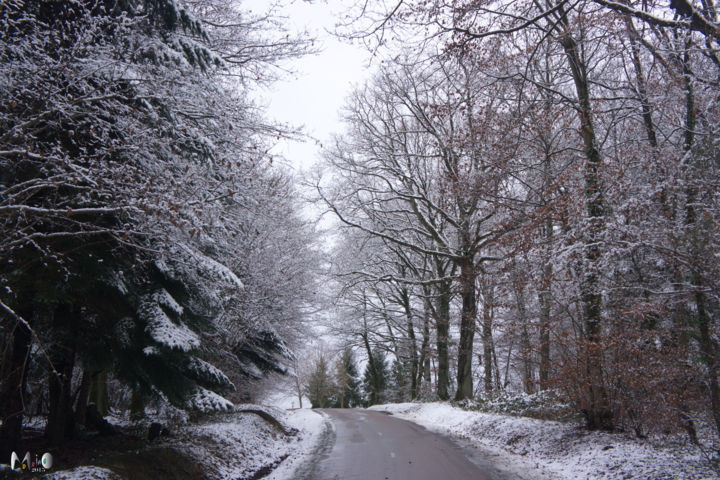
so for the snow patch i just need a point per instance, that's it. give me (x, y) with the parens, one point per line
(250, 369)
(83, 473)
(150, 351)
(243, 445)
(311, 426)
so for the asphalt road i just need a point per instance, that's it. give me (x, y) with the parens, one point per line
(369, 445)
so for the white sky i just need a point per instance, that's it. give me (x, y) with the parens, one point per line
(314, 95)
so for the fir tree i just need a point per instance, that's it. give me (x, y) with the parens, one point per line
(398, 387)
(347, 381)
(319, 385)
(375, 378)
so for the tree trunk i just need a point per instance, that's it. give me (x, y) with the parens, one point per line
(82, 397)
(412, 343)
(544, 296)
(443, 327)
(12, 388)
(60, 421)
(597, 412)
(641, 85)
(99, 393)
(506, 380)
(467, 330)
(488, 292)
(391, 336)
(709, 350)
(298, 389)
(424, 361)
(527, 364)
(496, 370)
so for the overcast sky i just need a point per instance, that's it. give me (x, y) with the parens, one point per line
(314, 95)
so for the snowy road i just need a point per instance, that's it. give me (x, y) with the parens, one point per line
(368, 445)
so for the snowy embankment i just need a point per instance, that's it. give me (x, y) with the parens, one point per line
(241, 445)
(533, 449)
(313, 429)
(250, 447)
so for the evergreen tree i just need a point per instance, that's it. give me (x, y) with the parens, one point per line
(347, 381)
(375, 378)
(319, 386)
(398, 388)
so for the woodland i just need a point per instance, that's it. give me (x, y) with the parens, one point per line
(525, 199)
(151, 254)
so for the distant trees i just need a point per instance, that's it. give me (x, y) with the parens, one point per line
(134, 196)
(335, 385)
(536, 173)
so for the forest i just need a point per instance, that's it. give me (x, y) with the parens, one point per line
(523, 199)
(527, 199)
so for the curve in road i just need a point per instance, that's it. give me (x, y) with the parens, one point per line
(372, 445)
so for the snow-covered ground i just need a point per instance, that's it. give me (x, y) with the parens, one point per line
(244, 445)
(249, 444)
(533, 449)
(84, 473)
(313, 426)
(239, 445)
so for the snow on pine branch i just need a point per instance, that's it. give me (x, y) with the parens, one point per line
(207, 401)
(182, 260)
(214, 268)
(205, 370)
(164, 331)
(162, 297)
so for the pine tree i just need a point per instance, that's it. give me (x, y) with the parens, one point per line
(375, 378)
(398, 387)
(319, 385)
(347, 381)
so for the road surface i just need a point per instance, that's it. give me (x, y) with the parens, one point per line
(369, 445)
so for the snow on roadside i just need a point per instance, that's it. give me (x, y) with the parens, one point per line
(83, 473)
(312, 426)
(530, 448)
(238, 445)
(247, 446)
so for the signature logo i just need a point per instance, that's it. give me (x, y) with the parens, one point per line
(31, 463)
